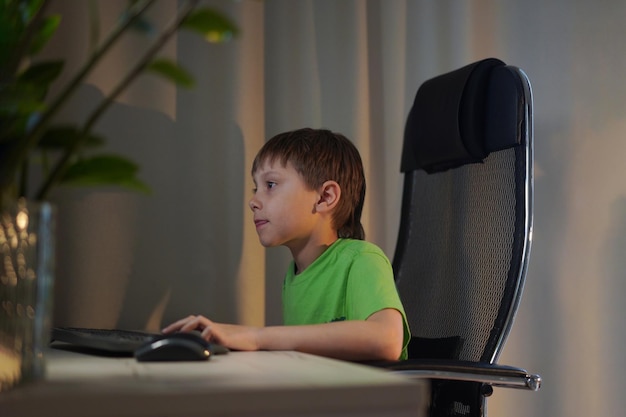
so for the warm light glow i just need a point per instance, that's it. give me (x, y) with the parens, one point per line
(218, 36)
(22, 220)
(10, 271)
(10, 365)
(30, 274)
(19, 309)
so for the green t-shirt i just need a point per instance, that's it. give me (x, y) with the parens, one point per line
(351, 280)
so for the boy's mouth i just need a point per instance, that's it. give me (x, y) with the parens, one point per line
(260, 222)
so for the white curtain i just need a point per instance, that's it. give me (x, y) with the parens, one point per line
(353, 66)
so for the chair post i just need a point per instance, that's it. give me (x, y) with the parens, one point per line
(458, 399)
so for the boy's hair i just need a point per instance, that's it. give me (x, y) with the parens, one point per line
(320, 155)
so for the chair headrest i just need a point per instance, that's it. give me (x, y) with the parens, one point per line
(461, 116)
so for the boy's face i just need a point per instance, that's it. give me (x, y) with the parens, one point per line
(283, 206)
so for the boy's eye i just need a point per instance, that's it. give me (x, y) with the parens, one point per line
(269, 186)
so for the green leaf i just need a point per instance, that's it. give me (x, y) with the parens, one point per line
(62, 137)
(20, 103)
(172, 72)
(213, 25)
(105, 170)
(48, 28)
(28, 92)
(20, 98)
(42, 74)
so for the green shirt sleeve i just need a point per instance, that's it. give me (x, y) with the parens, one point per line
(371, 288)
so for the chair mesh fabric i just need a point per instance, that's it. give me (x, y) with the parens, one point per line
(457, 259)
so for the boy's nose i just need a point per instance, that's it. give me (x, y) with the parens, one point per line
(253, 204)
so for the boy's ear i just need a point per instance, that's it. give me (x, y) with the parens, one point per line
(330, 193)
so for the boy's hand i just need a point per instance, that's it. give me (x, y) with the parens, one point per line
(232, 336)
(377, 338)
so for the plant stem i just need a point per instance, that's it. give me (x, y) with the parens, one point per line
(23, 148)
(63, 163)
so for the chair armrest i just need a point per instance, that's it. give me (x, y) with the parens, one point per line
(491, 374)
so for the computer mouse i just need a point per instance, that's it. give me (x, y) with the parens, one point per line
(180, 346)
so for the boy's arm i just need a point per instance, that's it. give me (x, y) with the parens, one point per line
(380, 337)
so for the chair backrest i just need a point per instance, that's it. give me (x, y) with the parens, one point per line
(466, 221)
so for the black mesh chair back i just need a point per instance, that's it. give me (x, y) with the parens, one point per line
(466, 220)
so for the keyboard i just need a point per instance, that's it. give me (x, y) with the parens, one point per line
(108, 340)
(114, 341)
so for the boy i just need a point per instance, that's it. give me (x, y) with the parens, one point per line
(339, 297)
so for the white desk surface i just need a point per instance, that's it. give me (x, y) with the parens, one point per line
(236, 384)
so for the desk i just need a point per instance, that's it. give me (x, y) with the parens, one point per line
(256, 384)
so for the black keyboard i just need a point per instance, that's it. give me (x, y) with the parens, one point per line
(109, 340)
(116, 341)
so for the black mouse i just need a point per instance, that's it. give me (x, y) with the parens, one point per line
(175, 347)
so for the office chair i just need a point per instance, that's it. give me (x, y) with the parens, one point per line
(465, 231)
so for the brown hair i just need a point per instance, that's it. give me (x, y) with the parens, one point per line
(320, 155)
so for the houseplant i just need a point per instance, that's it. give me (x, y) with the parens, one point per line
(28, 133)
(32, 142)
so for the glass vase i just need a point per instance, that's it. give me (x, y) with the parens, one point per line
(27, 255)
